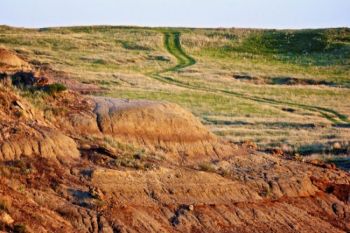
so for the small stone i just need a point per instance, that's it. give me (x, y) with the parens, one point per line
(6, 218)
(85, 146)
(18, 104)
(190, 207)
(337, 146)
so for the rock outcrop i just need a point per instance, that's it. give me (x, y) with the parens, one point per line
(260, 193)
(25, 132)
(46, 143)
(160, 126)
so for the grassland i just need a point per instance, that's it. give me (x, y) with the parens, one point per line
(278, 88)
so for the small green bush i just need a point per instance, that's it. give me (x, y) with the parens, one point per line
(54, 88)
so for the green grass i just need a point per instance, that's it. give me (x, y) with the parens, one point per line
(172, 43)
(201, 103)
(286, 42)
(195, 67)
(315, 52)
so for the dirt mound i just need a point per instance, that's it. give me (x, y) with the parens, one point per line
(9, 60)
(159, 126)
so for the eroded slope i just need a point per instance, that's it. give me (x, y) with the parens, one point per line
(70, 163)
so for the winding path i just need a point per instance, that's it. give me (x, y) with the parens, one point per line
(172, 43)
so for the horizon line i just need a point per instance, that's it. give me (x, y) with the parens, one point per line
(175, 27)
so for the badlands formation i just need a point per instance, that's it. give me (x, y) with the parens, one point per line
(75, 163)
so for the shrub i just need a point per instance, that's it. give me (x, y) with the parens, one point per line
(54, 88)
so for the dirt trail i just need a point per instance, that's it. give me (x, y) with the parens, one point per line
(172, 43)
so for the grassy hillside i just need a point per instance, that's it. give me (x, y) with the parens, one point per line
(278, 88)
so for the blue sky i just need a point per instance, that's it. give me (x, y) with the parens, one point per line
(189, 13)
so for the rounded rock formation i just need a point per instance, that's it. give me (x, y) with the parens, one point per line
(159, 126)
